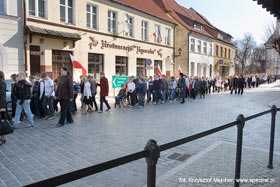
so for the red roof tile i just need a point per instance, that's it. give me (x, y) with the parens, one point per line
(184, 16)
(147, 6)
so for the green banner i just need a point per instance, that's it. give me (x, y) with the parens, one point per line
(117, 81)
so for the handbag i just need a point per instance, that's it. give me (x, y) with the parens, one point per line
(6, 126)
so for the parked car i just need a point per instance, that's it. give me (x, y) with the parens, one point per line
(8, 94)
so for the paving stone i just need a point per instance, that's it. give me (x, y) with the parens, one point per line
(44, 150)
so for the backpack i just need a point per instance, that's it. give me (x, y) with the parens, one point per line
(36, 88)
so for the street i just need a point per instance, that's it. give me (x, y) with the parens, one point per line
(33, 154)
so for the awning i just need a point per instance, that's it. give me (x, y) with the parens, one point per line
(273, 6)
(52, 33)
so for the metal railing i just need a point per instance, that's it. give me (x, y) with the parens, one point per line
(152, 152)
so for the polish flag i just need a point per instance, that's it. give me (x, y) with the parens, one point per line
(180, 70)
(156, 35)
(76, 64)
(159, 71)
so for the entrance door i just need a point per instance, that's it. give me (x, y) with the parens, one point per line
(35, 56)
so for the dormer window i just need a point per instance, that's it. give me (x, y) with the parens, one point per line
(220, 36)
(197, 26)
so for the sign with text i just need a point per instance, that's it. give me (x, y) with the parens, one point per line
(118, 81)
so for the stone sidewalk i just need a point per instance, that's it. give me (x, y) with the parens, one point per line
(215, 166)
(34, 154)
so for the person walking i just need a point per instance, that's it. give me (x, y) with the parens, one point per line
(104, 91)
(48, 97)
(65, 96)
(3, 104)
(182, 87)
(23, 95)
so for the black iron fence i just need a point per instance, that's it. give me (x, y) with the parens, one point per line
(152, 152)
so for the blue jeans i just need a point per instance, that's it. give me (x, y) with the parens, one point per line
(26, 107)
(164, 94)
(173, 94)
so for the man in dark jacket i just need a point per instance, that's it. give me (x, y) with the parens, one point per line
(2, 101)
(23, 95)
(65, 96)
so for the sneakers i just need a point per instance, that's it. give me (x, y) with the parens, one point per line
(100, 111)
(108, 110)
(29, 125)
(50, 118)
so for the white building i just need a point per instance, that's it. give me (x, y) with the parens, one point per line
(118, 37)
(11, 37)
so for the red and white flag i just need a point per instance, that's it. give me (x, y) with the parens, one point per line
(159, 71)
(76, 64)
(180, 70)
(157, 35)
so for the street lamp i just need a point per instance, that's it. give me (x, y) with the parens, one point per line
(179, 53)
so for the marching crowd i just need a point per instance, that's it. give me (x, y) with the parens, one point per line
(39, 96)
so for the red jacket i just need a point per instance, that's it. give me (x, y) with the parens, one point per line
(104, 86)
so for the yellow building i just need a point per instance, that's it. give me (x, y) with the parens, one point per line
(117, 37)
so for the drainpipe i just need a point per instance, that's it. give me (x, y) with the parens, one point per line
(189, 52)
(25, 35)
(174, 50)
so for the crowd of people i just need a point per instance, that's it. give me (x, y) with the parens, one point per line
(40, 96)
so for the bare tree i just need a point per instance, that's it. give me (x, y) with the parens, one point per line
(258, 60)
(244, 50)
(273, 35)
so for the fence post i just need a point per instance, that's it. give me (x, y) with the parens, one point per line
(151, 160)
(272, 133)
(240, 125)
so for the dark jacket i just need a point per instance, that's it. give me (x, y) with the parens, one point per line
(23, 90)
(65, 88)
(2, 94)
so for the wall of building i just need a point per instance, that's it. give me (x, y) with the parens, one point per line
(11, 39)
(105, 43)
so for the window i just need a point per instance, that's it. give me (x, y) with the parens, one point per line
(221, 54)
(91, 16)
(95, 64)
(60, 59)
(157, 63)
(121, 65)
(199, 46)
(192, 69)
(2, 6)
(141, 67)
(144, 30)
(228, 53)
(225, 53)
(210, 49)
(37, 8)
(157, 34)
(217, 50)
(167, 36)
(66, 11)
(112, 22)
(205, 47)
(129, 27)
(197, 26)
(220, 36)
(192, 44)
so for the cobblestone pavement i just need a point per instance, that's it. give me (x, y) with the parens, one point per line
(33, 154)
(215, 165)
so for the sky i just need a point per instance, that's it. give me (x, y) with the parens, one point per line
(235, 17)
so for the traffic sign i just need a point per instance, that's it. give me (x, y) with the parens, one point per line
(148, 61)
(118, 81)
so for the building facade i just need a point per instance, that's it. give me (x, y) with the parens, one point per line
(11, 37)
(197, 40)
(116, 37)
